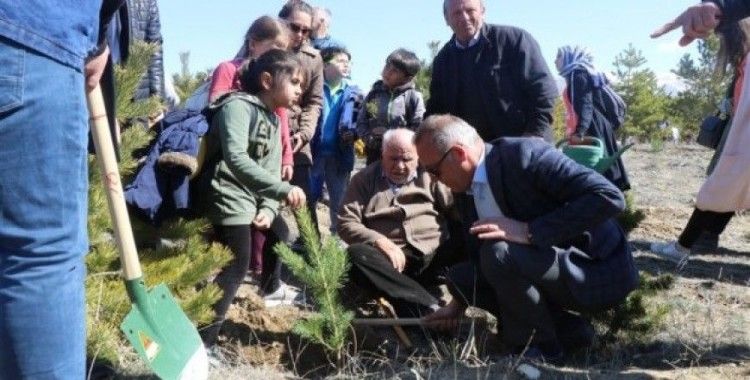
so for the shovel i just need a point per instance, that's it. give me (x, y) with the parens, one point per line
(156, 326)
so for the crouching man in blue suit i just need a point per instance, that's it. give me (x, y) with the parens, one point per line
(541, 231)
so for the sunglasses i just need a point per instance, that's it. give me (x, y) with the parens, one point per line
(297, 28)
(434, 169)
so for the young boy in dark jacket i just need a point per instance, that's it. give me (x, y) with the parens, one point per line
(393, 102)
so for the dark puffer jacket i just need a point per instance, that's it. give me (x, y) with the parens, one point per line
(139, 20)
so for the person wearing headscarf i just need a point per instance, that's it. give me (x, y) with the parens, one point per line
(590, 106)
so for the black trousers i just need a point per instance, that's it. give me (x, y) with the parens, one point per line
(525, 287)
(372, 270)
(237, 238)
(302, 178)
(700, 221)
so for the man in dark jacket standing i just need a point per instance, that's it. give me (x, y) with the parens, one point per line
(492, 76)
(138, 20)
(542, 233)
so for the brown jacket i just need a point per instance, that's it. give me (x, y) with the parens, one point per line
(415, 216)
(303, 118)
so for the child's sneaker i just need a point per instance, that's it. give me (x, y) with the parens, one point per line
(672, 251)
(285, 295)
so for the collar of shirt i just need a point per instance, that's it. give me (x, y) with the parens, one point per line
(395, 187)
(336, 89)
(473, 41)
(484, 201)
(480, 173)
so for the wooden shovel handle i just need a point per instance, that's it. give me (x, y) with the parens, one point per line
(398, 321)
(105, 155)
(387, 321)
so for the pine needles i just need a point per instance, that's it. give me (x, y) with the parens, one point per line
(323, 270)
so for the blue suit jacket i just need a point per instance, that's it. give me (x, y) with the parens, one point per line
(567, 206)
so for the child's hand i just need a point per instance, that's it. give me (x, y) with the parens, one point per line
(296, 197)
(287, 171)
(297, 143)
(262, 222)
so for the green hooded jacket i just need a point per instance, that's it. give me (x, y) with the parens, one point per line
(242, 177)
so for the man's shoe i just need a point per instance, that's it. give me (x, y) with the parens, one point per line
(708, 242)
(285, 295)
(673, 252)
(549, 352)
(575, 333)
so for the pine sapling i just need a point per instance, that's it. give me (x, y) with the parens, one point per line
(323, 270)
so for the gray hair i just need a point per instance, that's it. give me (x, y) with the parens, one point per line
(445, 131)
(446, 2)
(398, 135)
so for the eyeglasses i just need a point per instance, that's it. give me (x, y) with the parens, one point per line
(297, 28)
(434, 169)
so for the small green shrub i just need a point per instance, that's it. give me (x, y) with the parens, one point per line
(631, 217)
(637, 316)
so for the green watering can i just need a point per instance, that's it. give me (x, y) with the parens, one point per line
(591, 153)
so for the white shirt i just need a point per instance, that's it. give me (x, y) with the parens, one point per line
(473, 41)
(484, 200)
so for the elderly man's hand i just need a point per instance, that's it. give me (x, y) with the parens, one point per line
(393, 252)
(501, 228)
(446, 318)
(696, 21)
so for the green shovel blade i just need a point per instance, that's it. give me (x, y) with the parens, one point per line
(162, 335)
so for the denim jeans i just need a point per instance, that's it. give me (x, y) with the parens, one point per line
(43, 207)
(328, 170)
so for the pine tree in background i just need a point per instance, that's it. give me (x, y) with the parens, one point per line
(185, 83)
(323, 270)
(647, 101)
(558, 119)
(183, 267)
(424, 77)
(704, 89)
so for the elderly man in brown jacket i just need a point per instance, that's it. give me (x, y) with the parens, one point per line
(395, 218)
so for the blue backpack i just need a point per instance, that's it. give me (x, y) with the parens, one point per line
(614, 106)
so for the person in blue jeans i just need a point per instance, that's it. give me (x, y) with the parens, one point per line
(332, 145)
(43, 181)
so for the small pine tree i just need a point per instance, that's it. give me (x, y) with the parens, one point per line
(323, 270)
(183, 268)
(127, 79)
(632, 216)
(637, 316)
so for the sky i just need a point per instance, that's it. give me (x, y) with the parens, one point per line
(213, 30)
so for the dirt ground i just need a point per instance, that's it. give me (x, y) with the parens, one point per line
(705, 335)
